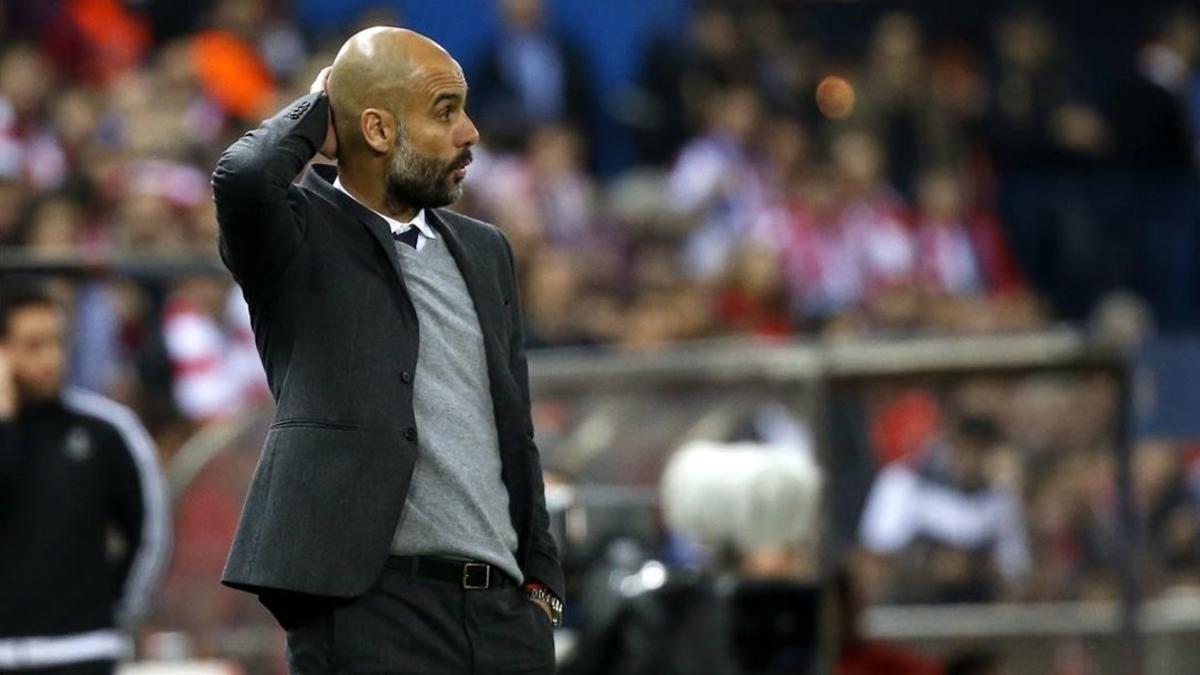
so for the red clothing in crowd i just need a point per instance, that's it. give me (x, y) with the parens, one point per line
(745, 314)
(996, 259)
(97, 40)
(878, 658)
(965, 256)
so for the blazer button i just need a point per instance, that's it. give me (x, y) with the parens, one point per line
(410, 434)
(406, 377)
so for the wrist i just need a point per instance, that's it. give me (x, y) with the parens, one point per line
(541, 593)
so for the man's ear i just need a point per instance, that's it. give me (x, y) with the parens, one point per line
(378, 129)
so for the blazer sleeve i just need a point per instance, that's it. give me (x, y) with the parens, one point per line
(543, 563)
(258, 211)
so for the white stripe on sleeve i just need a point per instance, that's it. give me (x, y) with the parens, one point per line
(150, 560)
(63, 650)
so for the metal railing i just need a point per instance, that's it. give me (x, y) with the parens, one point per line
(82, 263)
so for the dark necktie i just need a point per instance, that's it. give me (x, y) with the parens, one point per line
(408, 236)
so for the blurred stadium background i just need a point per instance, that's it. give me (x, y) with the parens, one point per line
(933, 245)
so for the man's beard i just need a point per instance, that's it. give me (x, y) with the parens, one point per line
(420, 181)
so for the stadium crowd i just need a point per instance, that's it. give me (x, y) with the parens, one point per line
(963, 188)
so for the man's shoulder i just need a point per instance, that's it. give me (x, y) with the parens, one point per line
(470, 227)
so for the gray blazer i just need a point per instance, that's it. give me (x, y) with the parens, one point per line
(337, 334)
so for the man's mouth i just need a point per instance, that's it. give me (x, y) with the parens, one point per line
(463, 162)
(458, 170)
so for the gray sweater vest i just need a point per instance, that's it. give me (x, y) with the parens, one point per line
(457, 502)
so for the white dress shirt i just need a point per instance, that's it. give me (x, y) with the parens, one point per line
(424, 231)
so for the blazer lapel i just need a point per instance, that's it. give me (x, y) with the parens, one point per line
(320, 179)
(484, 294)
(383, 236)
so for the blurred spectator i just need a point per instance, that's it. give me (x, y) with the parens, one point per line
(529, 77)
(714, 185)
(562, 187)
(678, 75)
(754, 298)
(53, 227)
(874, 213)
(1038, 120)
(1043, 138)
(784, 145)
(96, 41)
(946, 258)
(83, 510)
(12, 192)
(545, 192)
(897, 95)
(820, 257)
(25, 80)
(551, 314)
(216, 368)
(956, 531)
(1154, 114)
(1069, 512)
(233, 74)
(1171, 510)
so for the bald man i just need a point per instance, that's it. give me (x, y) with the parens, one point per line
(396, 522)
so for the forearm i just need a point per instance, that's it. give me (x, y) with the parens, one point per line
(273, 154)
(543, 565)
(252, 184)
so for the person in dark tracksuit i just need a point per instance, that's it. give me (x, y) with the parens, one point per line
(83, 522)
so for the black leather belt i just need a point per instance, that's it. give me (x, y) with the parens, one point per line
(467, 574)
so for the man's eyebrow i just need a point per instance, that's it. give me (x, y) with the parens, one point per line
(447, 96)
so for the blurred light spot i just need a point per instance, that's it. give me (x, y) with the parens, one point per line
(835, 97)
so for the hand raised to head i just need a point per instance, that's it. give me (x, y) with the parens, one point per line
(329, 147)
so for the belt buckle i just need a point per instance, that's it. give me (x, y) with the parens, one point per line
(467, 576)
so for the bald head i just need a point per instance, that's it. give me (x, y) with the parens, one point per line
(380, 67)
(399, 110)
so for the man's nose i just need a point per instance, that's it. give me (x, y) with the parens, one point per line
(470, 135)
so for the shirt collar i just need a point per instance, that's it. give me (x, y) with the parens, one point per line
(397, 227)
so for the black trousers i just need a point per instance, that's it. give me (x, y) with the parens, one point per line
(414, 626)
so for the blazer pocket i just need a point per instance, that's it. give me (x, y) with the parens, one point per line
(314, 423)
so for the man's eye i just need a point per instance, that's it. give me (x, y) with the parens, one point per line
(445, 114)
